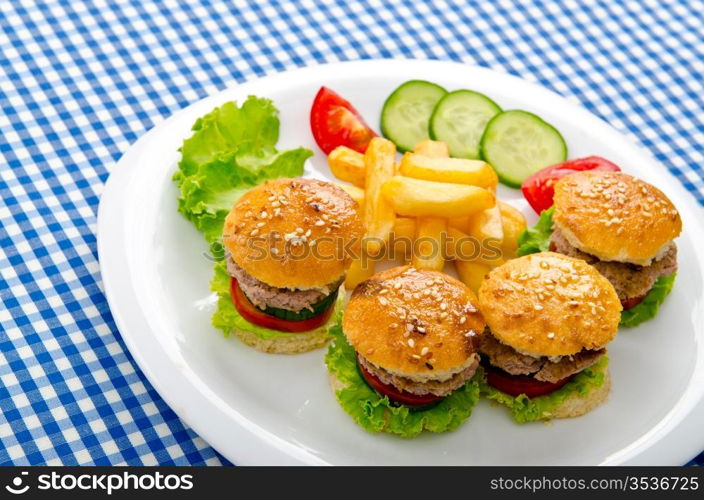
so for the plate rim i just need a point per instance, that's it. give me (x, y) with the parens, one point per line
(252, 439)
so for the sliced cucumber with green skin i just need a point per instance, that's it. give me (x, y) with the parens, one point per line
(518, 143)
(318, 308)
(406, 113)
(459, 119)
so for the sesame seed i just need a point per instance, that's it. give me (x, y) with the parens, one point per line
(443, 315)
(299, 230)
(409, 327)
(383, 301)
(421, 329)
(424, 351)
(443, 306)
(308, 233)
(538, 307)
(254, 232)
(312, 243)
(463, 320)
(415, 356)
(261, 224)
(411, 343)
(393, 325)
(470, 333)
(275, 250)
(551, 335)
(397, 285)
(319, 223)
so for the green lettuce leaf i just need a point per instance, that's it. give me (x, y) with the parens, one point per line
(648, 308)
(537, 238)
(524, 409)
(232, 149)
(226, 316)
(377, 414)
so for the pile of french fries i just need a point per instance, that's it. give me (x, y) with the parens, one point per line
(428, 198)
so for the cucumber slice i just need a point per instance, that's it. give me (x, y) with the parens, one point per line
(406, 113)
(459, 120)
(318, 308)
(518, 143)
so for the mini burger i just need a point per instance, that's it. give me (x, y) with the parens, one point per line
(622, 226)
(288, 244)
(549, 318)
(415, 335)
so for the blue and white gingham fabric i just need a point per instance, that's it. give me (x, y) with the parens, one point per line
(81, 81)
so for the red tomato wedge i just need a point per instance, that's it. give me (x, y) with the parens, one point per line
(335, 122)
(515, 385)
(251, 313)
(394, 394)
(539, 188)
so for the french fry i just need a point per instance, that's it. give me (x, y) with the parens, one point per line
(486, 225)
(513, 225)
(430, 231)
(405, 227)
(347, 165)
(419, 198)
(432, 149)
(471, 273)
(355, 192)
(379, 215)
(430, 235)
(460, 246)
(358, 272)
(453, 170)
(403, 237)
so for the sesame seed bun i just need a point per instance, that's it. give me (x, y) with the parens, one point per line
(270, 230)
(547, 304)
(615, 217)
(418, 324)
(301, 342)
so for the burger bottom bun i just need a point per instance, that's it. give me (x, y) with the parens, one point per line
(301, 342)
(576, 405)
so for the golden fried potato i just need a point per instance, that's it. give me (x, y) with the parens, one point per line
(514, 223)
(355, 192)
(358, 272)
(430, 238)
(461, 246)
(379, 215)
(421, 198)
(432, 149)
(454, 170)
(471, 273)
(347, 165)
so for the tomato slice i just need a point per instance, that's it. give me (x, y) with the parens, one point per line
(394, 394)
(631, 302)
(251, 313)
(515, 385)
(334, 122)
(539, 188)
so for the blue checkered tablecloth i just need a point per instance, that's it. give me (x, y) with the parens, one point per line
(81, 81)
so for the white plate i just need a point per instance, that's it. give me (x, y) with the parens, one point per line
(271, 409)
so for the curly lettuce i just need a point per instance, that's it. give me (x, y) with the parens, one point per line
(226, 317)
(377, 414)
(648, 308)
(537, 238)
(231, 150)
(524, 409)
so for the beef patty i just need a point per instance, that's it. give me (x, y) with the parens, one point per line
(629, 280)
(541, 368)
(263, 295)
(439, 388)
